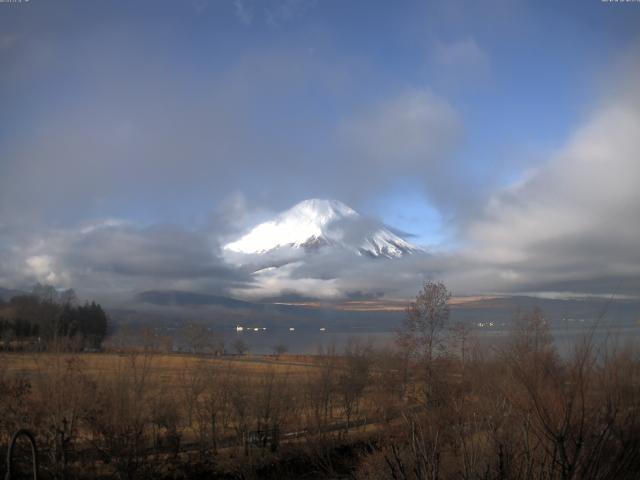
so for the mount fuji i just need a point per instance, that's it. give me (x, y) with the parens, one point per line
(322, 225)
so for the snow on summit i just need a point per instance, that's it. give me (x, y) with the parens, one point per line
(318, 223)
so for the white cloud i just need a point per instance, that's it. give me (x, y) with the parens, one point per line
(283, 11)
(412, 129)
(243, 12)
(115, 257)
(41, 266)
(570, 225)
(274, 282)
(574, 219)
(463, 54)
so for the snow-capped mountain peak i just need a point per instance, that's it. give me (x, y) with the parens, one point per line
(319, 223)
(318, 211)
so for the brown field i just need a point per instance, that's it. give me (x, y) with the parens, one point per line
(123, 410)
(163, 367)
(172, 376)
(522, 412)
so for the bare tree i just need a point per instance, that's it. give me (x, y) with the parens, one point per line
(320, 389)
(416, 455)
(461, 339)
(215, 409)
(422, 332)
(199, 338)
(271, 405)
(241, 401)
(240, 346)
(65, 396)
(354, 377)
(392, 379)
(279, 349)
(121, 419)
(192, 383)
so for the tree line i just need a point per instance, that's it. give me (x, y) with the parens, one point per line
(46, 315)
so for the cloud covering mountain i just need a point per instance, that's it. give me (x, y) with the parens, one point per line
(318, 224)
(569, 225)
(176, 130)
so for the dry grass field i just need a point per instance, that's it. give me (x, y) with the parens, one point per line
(124, 411)
(166, 368)
(177, 378)
(522, 412)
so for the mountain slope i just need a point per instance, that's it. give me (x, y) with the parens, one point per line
(180, 298)
(6, 294)
(318, 224)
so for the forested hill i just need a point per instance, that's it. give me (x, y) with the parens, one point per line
(42, 316)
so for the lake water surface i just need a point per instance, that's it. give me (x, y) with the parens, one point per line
(310, 342)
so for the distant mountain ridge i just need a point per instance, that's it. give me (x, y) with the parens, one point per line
(6, 294)
(319, 224)
(181, 298)
(176, 306)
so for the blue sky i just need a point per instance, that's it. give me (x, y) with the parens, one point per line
(419, 113)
